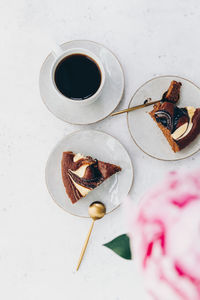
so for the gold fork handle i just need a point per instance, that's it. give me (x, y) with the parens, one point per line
(85, 246)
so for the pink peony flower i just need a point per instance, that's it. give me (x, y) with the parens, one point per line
(165, 237)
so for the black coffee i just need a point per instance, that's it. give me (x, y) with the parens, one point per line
(77, 77)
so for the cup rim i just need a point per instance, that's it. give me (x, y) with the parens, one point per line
(97, 61)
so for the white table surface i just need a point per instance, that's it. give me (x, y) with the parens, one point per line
(39, 242)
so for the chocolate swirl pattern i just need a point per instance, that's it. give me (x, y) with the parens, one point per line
(179, 125)
(83, 174)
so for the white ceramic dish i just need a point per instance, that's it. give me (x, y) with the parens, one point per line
(98, 145)
(145, 132)
(111, 92)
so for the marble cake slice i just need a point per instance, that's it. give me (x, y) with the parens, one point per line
(83, 174)
(180, 126)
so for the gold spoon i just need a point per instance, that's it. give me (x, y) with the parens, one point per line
(134, 108)
(96, 211)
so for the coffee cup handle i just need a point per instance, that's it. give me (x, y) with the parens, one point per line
(57, 51)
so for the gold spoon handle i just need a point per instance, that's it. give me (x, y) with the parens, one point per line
(85, 246)
(134, 108)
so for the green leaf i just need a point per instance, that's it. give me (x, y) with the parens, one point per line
(121, 246)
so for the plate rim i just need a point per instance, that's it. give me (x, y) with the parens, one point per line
(120, 98)
(56, 145)
(152, 156)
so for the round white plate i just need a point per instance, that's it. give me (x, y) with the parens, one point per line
(98, 145)
(85, 114)
(145, 132)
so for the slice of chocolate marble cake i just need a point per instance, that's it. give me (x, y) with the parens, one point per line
(180, 126)
(83, 174)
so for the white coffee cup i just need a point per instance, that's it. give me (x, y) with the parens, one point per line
(59, 56)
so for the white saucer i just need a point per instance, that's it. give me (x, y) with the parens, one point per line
(145, 132)
(107, 102)
(98, 145)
